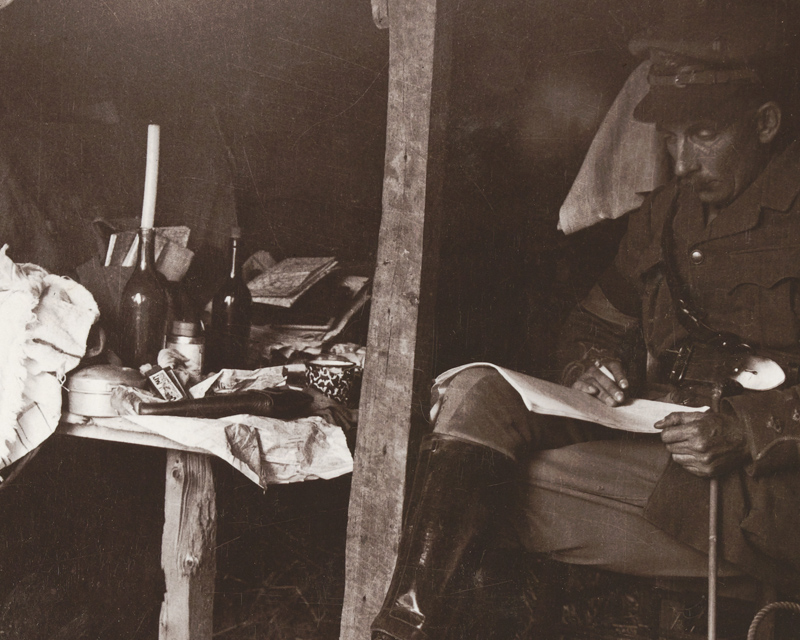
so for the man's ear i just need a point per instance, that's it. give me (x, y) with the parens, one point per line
(768, 122)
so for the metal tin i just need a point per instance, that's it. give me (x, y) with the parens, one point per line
(332, 375)
(89, 390)
(187, 339)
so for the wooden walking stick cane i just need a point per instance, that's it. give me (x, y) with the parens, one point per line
(713, 513)
(713, 505)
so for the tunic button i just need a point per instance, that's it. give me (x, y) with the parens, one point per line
(696, 256)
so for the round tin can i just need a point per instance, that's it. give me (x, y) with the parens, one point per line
(332, 375)
(89, 390)
(187, 339)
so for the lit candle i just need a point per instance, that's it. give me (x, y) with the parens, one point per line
(150, 177)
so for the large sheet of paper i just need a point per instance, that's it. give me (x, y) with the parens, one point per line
(548, 398)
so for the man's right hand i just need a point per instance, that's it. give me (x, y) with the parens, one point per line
(608, 388)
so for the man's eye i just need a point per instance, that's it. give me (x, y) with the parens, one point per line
(705, 134)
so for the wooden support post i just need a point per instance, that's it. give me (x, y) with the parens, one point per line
(397, 372)
(188, 548)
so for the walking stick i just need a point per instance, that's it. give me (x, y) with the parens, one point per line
(713, 505)
(713, 513)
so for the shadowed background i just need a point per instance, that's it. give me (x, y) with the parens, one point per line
(282, 105)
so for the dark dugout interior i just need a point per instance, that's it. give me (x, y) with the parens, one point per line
(289, 98)
(285, 102)
(273, 109)
(531, 83)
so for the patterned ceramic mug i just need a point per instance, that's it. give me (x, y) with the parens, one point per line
(335, 377)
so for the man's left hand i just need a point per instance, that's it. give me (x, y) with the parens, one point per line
(705, 444)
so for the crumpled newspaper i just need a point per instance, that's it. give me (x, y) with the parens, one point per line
(282, 452)
(233, 380)
(44, 324)
(266, 450)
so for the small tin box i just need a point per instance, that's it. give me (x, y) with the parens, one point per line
(89, 390)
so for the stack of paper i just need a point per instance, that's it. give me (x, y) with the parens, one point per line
(123, 246)
(172, 256)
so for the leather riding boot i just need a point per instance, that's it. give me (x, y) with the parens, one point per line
(457, 488)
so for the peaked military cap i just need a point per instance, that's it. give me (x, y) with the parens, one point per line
(703, 60)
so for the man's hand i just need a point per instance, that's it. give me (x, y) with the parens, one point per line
(608, 388)
(705, 444)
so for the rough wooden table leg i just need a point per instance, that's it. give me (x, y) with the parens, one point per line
(188, 548)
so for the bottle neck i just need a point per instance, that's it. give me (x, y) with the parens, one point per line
(147, 249)
(234, 255)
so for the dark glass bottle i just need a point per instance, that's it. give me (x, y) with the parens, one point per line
(229, 335)
(144, 308)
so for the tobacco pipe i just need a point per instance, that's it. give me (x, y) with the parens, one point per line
(280, 403)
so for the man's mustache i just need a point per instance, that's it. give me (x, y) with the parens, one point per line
(695, 183)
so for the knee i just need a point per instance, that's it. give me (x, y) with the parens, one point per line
(479, 404)
(478, 381)
(477, 390)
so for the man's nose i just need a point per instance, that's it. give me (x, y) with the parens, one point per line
(685, 158)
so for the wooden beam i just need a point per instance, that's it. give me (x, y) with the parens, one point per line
(397, 373)
(188, 548)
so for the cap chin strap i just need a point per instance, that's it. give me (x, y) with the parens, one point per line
(705, 77)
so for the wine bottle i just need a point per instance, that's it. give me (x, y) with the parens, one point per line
(229, 335)
(144, 308)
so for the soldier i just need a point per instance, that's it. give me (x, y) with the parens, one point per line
(710, 265)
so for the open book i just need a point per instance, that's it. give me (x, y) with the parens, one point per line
(335, 297)
(283, 283)
(552, 399)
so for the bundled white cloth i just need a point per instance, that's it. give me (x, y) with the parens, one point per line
(44, 323)
(624, 161)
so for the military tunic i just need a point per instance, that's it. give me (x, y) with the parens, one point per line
(743, 271)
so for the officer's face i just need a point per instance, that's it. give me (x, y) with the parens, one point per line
(717, 160)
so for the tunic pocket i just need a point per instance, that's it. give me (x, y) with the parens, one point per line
(765, 266)
(747, 284)
(761, 310)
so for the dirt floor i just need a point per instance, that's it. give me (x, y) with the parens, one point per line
(80, 536)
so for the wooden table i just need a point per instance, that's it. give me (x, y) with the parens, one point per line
(190, 527)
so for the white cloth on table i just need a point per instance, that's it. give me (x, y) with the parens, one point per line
(266, 450)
